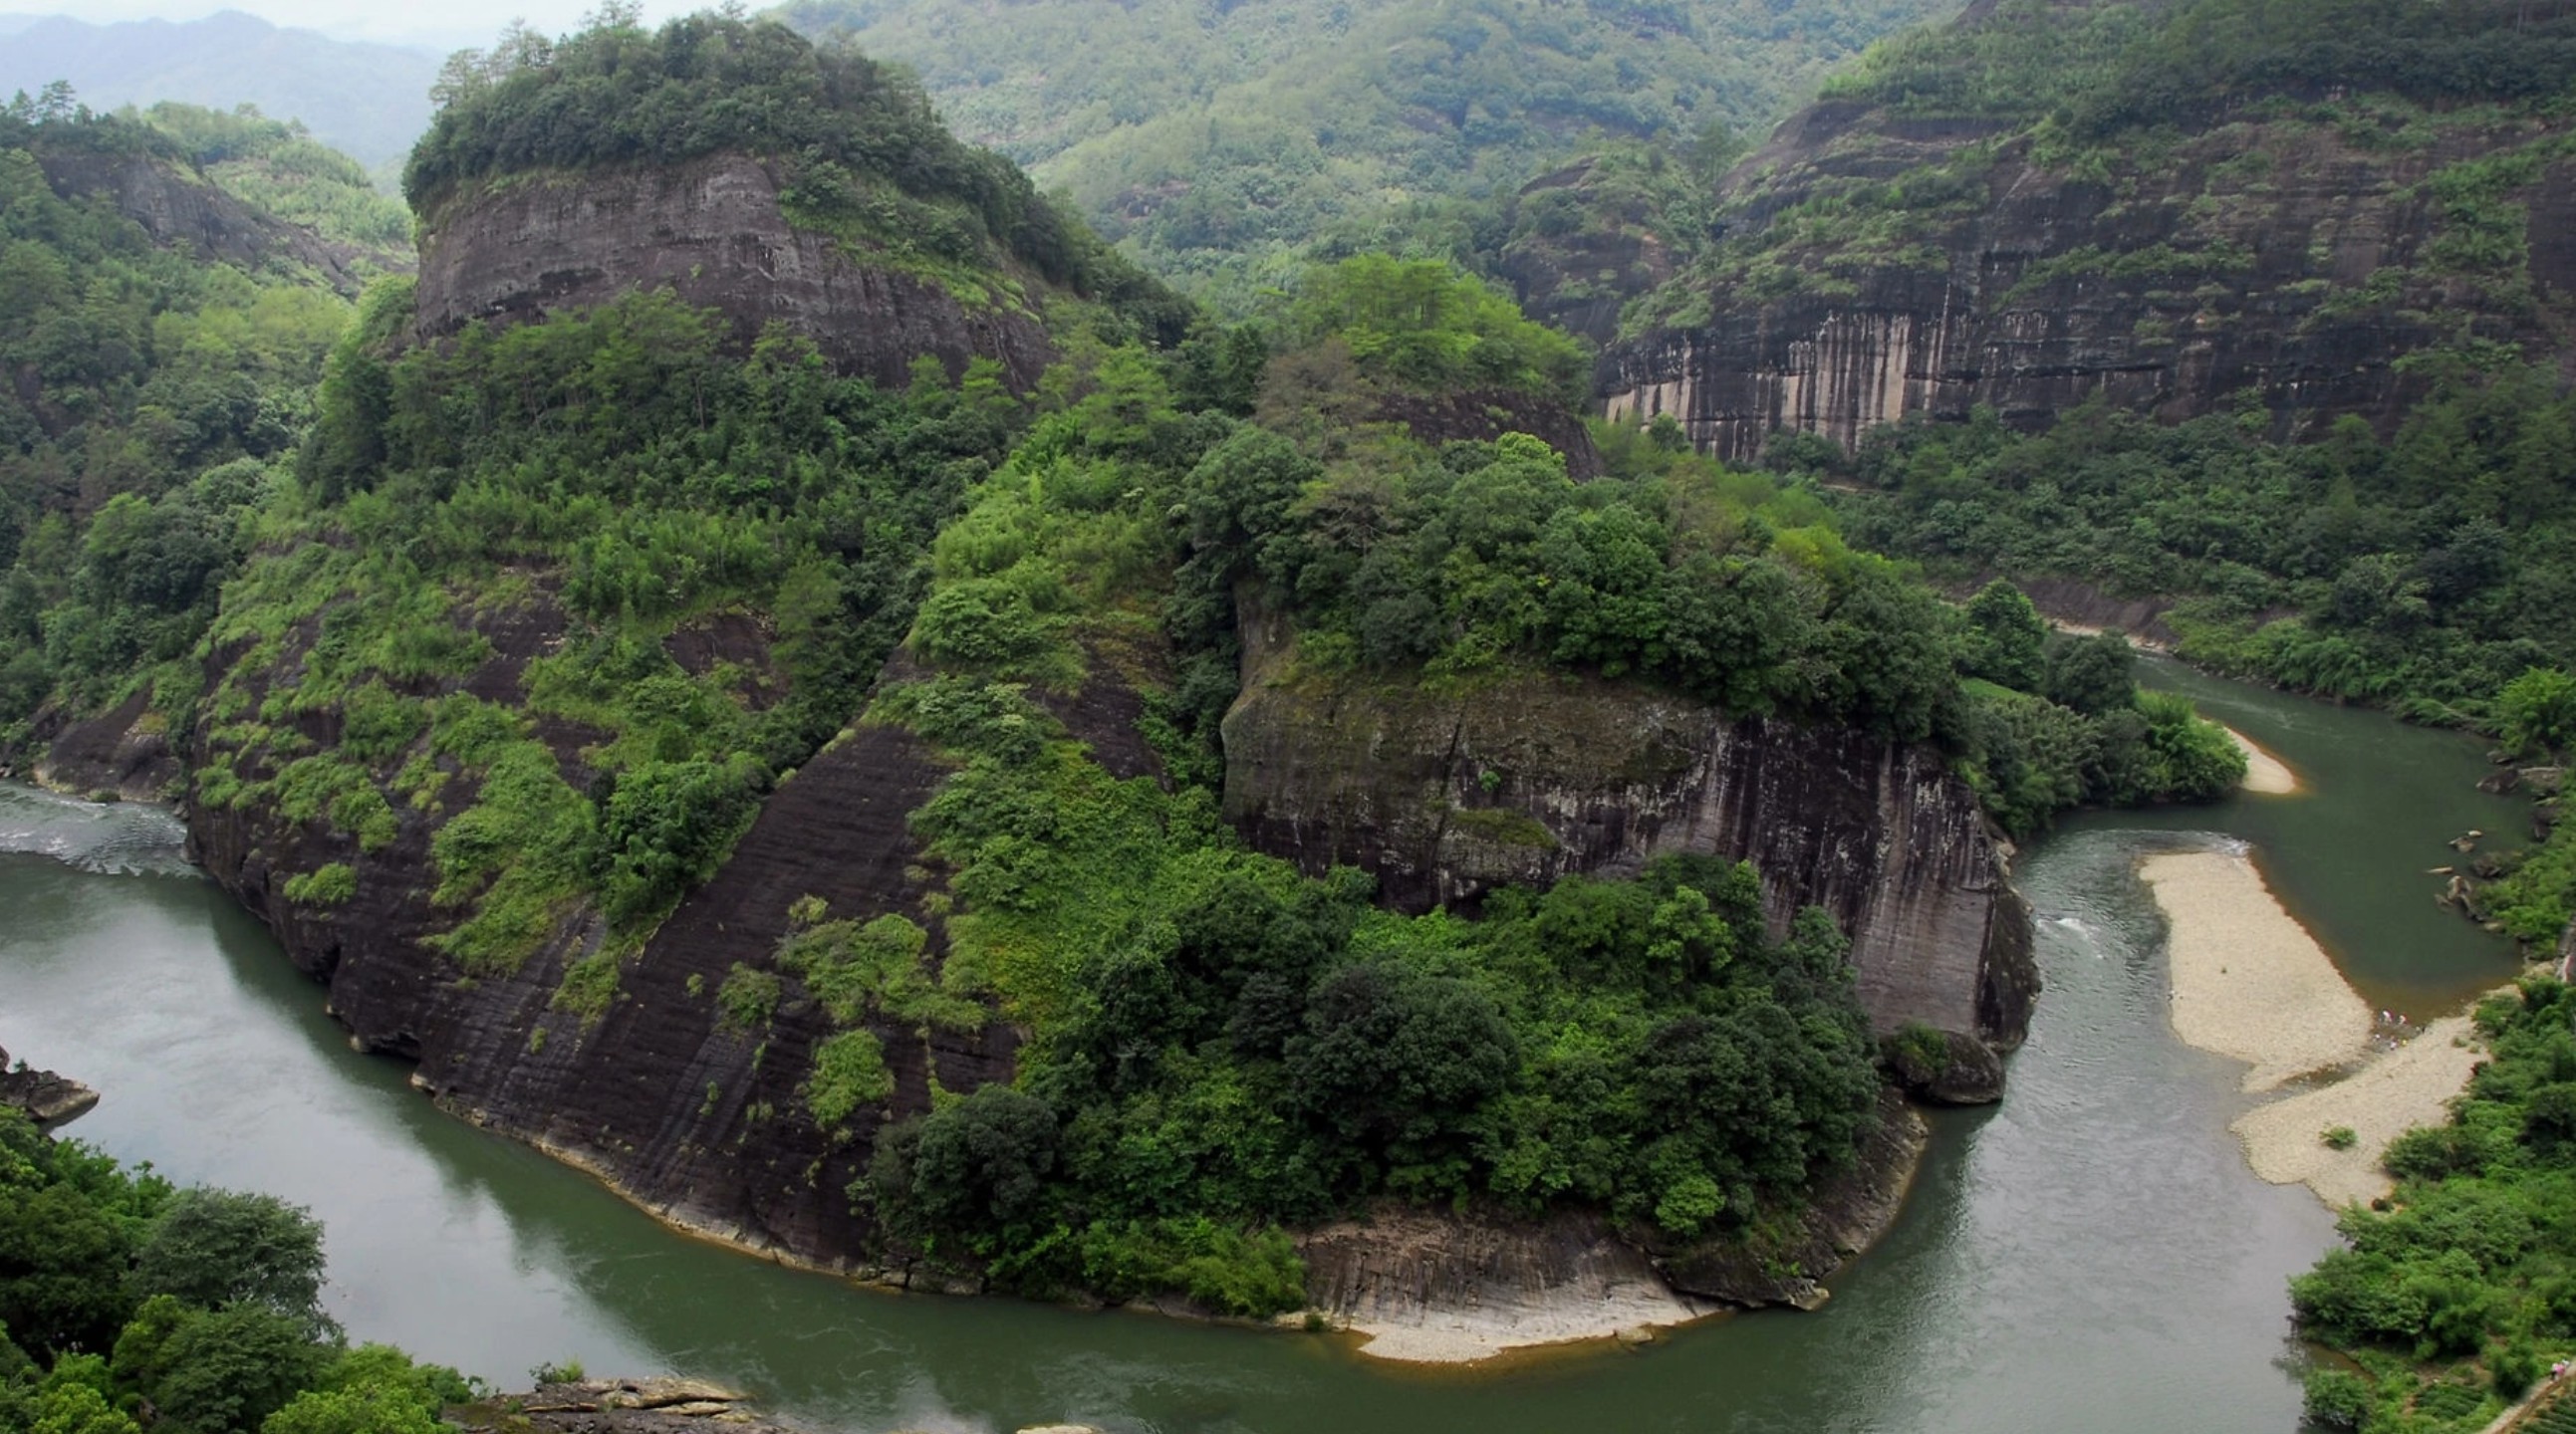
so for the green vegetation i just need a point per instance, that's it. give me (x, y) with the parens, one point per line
(618, 474)
(2211, 110)
(1221, 145)
(860, 152)
(2536, 898)
(1421, 326)
(2098, 70)
(124, 1302)
(278, 166)
(2425, 573)
(1219, 1045)
(152, 395)
(2451, 1297)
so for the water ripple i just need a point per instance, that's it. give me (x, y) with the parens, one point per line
(111, 839)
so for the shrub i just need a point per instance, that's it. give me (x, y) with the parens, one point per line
(329, 885)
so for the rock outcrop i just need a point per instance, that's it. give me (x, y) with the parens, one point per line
(1450, 1288)
(2269, 253)
(711, 231)
(692, 1117)
(182, 209)
(1446, 795)
(125, 751)
(617, 1406)
(46, 1098)
(1846, 1215)
(1442, 1288)
(1482, 415)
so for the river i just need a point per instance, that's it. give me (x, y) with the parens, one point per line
(2093, 1254)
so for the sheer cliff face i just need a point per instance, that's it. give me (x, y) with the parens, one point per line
(2292, 258)
(1444, 797)
(691, 1115)
(711, 231)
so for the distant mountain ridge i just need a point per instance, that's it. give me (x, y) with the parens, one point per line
(370, 101)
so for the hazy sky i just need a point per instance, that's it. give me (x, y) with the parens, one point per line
(439, 24)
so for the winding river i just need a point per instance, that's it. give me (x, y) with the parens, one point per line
(2093, 1254)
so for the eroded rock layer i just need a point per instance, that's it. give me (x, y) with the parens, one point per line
(2278, 256)
(710, 231)
(1446, 795)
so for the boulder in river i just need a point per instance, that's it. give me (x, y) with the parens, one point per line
(48, 1099)
(618, 1406)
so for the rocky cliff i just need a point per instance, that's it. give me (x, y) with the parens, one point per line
(1446, 794)
(712, 231)
(693, 1116)
(181, 209)
(2279, 258)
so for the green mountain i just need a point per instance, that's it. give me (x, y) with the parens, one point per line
(780, 662)
(159, 341)
(1215, 140)
(368, 101)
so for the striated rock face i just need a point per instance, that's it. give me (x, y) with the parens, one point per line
(124, 751)
(712, 232)
(2280, 256)
(1441, 1288)
(1443, 797)
(696, 1119)
(179, 209)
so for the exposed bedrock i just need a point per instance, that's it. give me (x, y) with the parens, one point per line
(711, 231)
(1446, 795)
(699, 1120)
(2236, 266)
(1442, 1286)
(182, 210)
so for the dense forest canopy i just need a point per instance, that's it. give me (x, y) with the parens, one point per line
(2098, 69)
(124, 1302)
(1218, 143)
(150, 393)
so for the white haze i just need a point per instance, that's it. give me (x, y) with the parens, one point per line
(444, 25)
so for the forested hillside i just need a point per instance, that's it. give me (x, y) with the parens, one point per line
(1217, 142)
(591, 679)
(152, 391)
(369, 101)
(2261, 316)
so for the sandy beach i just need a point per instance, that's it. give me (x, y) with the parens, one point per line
(2264, 772)
(2399, 1089)
(2248, 981)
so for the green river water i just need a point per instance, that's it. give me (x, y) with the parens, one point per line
(2091, 1255)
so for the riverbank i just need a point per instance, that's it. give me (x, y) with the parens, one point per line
(1449, 1288)
(2393, 1093)
(2249, 982)
(2264, 772)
